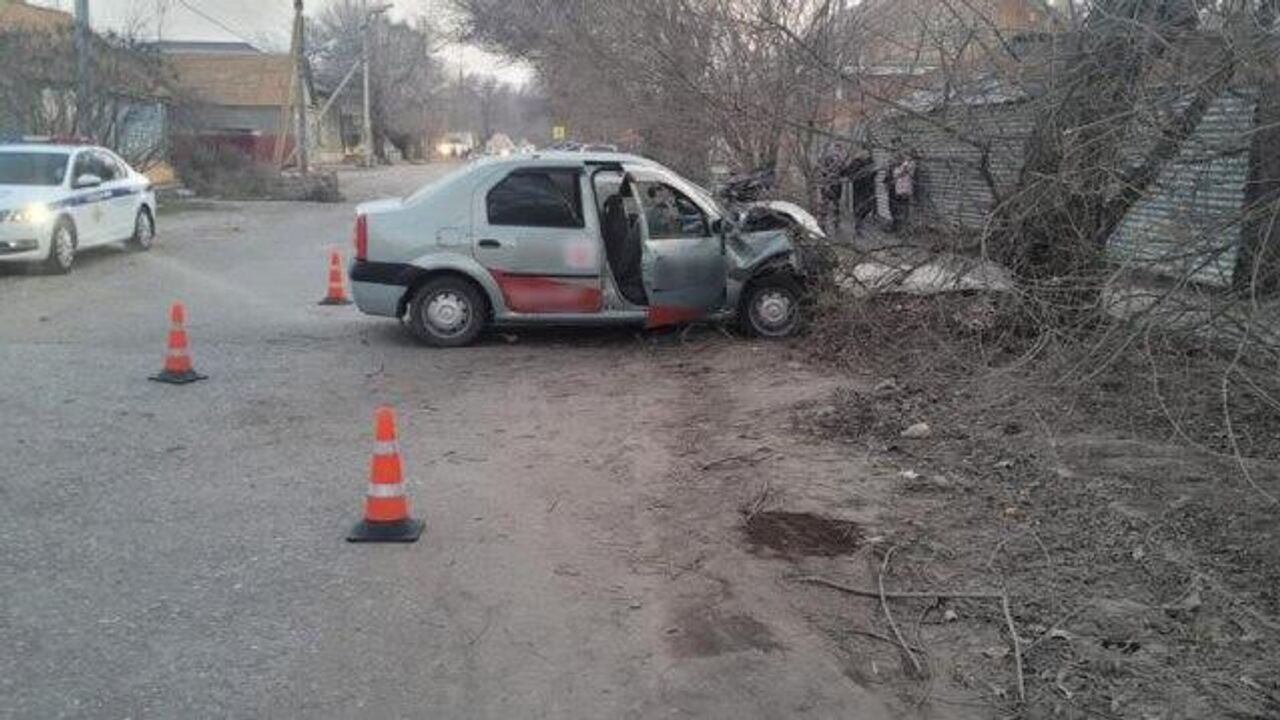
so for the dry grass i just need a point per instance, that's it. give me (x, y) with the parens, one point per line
(1094, 476)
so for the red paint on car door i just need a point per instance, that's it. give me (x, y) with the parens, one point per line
(543, 294)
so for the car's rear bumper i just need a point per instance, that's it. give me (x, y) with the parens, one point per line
(379, 287)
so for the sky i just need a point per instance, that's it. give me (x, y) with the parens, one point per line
(265, 23)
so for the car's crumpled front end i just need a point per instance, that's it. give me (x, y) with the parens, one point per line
(775, 236)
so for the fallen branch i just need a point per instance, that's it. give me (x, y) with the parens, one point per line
(885, 596)
(908, 595)
(1017, 651)
(884, 605)
(876, 636)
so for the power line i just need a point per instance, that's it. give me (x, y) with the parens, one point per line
(214, 20)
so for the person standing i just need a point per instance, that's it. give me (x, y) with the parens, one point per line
(831, 181)
(904, 188)
(861, 179)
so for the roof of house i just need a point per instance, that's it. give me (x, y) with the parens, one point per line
(193, 47)
(16, 14)
(233, 80)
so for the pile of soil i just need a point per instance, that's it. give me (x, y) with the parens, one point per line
(794, 534)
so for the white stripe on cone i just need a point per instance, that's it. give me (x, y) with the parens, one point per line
(385, 490)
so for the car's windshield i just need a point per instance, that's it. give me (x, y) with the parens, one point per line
(32, 168)
(704, 197)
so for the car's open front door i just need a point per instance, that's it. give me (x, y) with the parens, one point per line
(683, 268)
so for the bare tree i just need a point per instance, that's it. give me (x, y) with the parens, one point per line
(692, 78)
(124, 110)
(406, 79)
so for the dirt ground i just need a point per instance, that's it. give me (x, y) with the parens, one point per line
(1139, 563)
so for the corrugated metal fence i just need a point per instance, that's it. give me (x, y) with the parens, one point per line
(1186, 225)
(951, 190)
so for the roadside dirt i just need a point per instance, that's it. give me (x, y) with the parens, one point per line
(1140, 562)
(1140, 568)
(754, 501)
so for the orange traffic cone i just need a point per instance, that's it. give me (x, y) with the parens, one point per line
(177, 363)
(337, 294)
(386, 509)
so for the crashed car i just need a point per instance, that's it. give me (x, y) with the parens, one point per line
(576, 238)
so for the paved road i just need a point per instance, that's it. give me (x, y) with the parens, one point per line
(177, 551)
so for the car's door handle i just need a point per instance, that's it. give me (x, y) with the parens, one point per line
(488, 243)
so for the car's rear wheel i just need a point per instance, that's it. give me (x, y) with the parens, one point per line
(144, 231)
(772, 307)
(62, 248)
(447, 312)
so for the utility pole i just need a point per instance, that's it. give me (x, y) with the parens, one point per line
(300, 83)
(367, 136)
(82, 66)
(366, 131)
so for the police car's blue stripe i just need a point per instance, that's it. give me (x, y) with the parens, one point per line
(92, 197)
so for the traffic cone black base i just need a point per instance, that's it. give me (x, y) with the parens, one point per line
(401, 531)
(334, 301)
(179, 378)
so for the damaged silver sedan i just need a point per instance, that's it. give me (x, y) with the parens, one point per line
(577, 238)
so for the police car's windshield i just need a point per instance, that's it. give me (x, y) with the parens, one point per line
(19, 168)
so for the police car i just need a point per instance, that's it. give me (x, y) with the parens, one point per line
(59, 198)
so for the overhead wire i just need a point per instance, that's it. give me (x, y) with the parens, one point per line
(209, 18)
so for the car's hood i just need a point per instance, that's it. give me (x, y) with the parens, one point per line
(798, 214)
(13, 197)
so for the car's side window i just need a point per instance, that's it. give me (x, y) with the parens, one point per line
(669, 213)
(84, 166)
(762, 219)
(106, 167)
(537, 198)
(117, 165)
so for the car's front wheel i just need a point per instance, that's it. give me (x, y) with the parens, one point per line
(771, 307)
(62, 248)
(144, 231)
(447, 312)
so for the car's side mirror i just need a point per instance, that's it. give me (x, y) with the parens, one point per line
(719, 226)
(86, 181)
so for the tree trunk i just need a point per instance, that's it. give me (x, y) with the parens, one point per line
(1258, 269)
(1052, 227)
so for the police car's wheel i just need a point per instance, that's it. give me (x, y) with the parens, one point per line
(447, 312)
(144, 231)
(771, 307)
(62, 248)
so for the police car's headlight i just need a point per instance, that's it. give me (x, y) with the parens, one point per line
(36, 214)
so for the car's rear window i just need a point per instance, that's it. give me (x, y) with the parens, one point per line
(446, 179)
(19, 168)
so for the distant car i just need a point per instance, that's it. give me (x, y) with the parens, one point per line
(575, 238)
(456, 145)
(599, 147)
(58, 199)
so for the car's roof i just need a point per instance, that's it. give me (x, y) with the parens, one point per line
(43, 147)
(562, 157)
